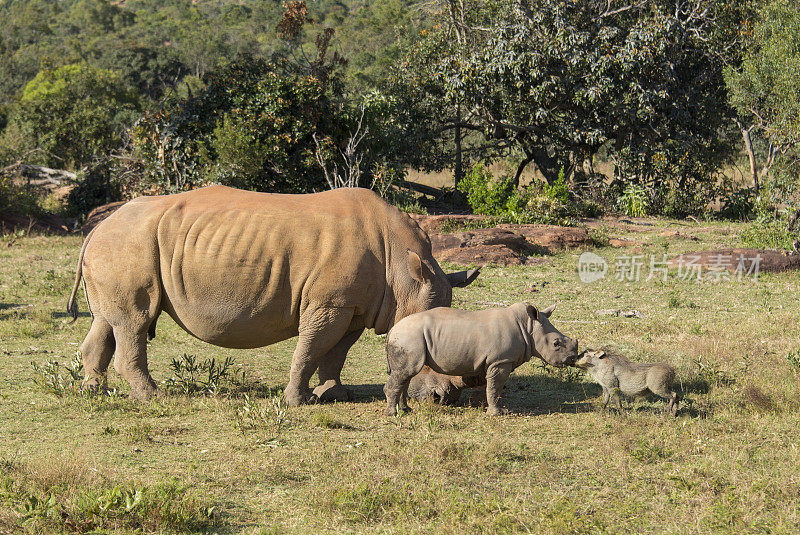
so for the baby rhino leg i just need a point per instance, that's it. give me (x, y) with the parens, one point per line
(496, 377)
(403, 365)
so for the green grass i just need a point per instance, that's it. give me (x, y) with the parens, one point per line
(238, 461)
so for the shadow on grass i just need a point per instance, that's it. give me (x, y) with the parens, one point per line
(59, 315)
(18, 311)
(543, 394)
(539, 394)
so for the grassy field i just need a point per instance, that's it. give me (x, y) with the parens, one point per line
(238, 461)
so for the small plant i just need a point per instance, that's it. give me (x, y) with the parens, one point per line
(270, 416)
(633, 201)
(739, 204)
(323, 418)
(190, 376)
(712, 374)
(59, 380)
(794, 362)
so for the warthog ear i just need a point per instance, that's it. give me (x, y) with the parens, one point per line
(415, 267)
(549, 310)
(462, 278)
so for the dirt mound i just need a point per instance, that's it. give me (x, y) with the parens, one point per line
(481, 246)
(46, 224)
(98, 214)
(504, 245)
(748, 261)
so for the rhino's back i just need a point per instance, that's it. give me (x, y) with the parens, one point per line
(459, 342)
(238, 268)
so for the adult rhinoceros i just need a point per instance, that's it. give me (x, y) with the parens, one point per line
(242, 269)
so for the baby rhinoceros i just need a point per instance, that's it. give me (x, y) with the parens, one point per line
(617, 374)
(489, 343)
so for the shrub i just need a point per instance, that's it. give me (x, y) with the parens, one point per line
(739, 204)
(96, 186)
(633, 201)
(768, 232)
(75, 113)
(488, 196)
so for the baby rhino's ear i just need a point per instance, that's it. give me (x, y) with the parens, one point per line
(533, 312)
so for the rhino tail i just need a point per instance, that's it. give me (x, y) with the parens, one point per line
(72, 304)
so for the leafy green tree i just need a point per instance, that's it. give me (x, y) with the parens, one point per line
(252, 127)
(765, 88)
(75, 113)
(559, 81)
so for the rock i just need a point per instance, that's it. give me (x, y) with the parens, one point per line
(619, 313)
(746, 261)
(551, 237)
(504, 245)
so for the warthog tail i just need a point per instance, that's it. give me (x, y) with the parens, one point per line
(72, 304)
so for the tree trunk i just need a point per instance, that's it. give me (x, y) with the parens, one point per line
(459, 170)
(748, 145)
(522, 165)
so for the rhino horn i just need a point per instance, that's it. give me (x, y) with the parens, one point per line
(462, 278)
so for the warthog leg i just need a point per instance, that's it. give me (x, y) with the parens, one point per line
(320, 330)
(330, 370)
(96, 352)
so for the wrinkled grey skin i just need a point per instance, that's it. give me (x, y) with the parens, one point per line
(617, 374)
(444, 389)
(242, 269)
(489, 343)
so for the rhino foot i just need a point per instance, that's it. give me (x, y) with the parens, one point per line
(392, 411)
(332, 390)
(144, 393)
(297, 399)
(496, 411)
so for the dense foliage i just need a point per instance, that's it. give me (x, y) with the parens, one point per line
(294, 96)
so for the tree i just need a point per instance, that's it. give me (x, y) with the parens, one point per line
(75, 113)
(765, 86)
(560, 80)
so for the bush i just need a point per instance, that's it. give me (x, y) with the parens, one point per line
(739, 204)
(488, 196)
(633, 201)
(97, 185)
(75, 114)
(768, 232)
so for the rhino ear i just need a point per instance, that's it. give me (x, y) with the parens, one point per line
(415, 266)
(533, 312)
(549, 310)
(462, 278)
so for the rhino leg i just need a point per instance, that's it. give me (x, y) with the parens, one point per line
(96, 352)
(330, 370)
(130, 360)
(321, 329)
(404, 365)
(496, 377)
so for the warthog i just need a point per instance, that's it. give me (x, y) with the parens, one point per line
(446, 389)
(242, 269)
(489, 343)
(617, 374)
